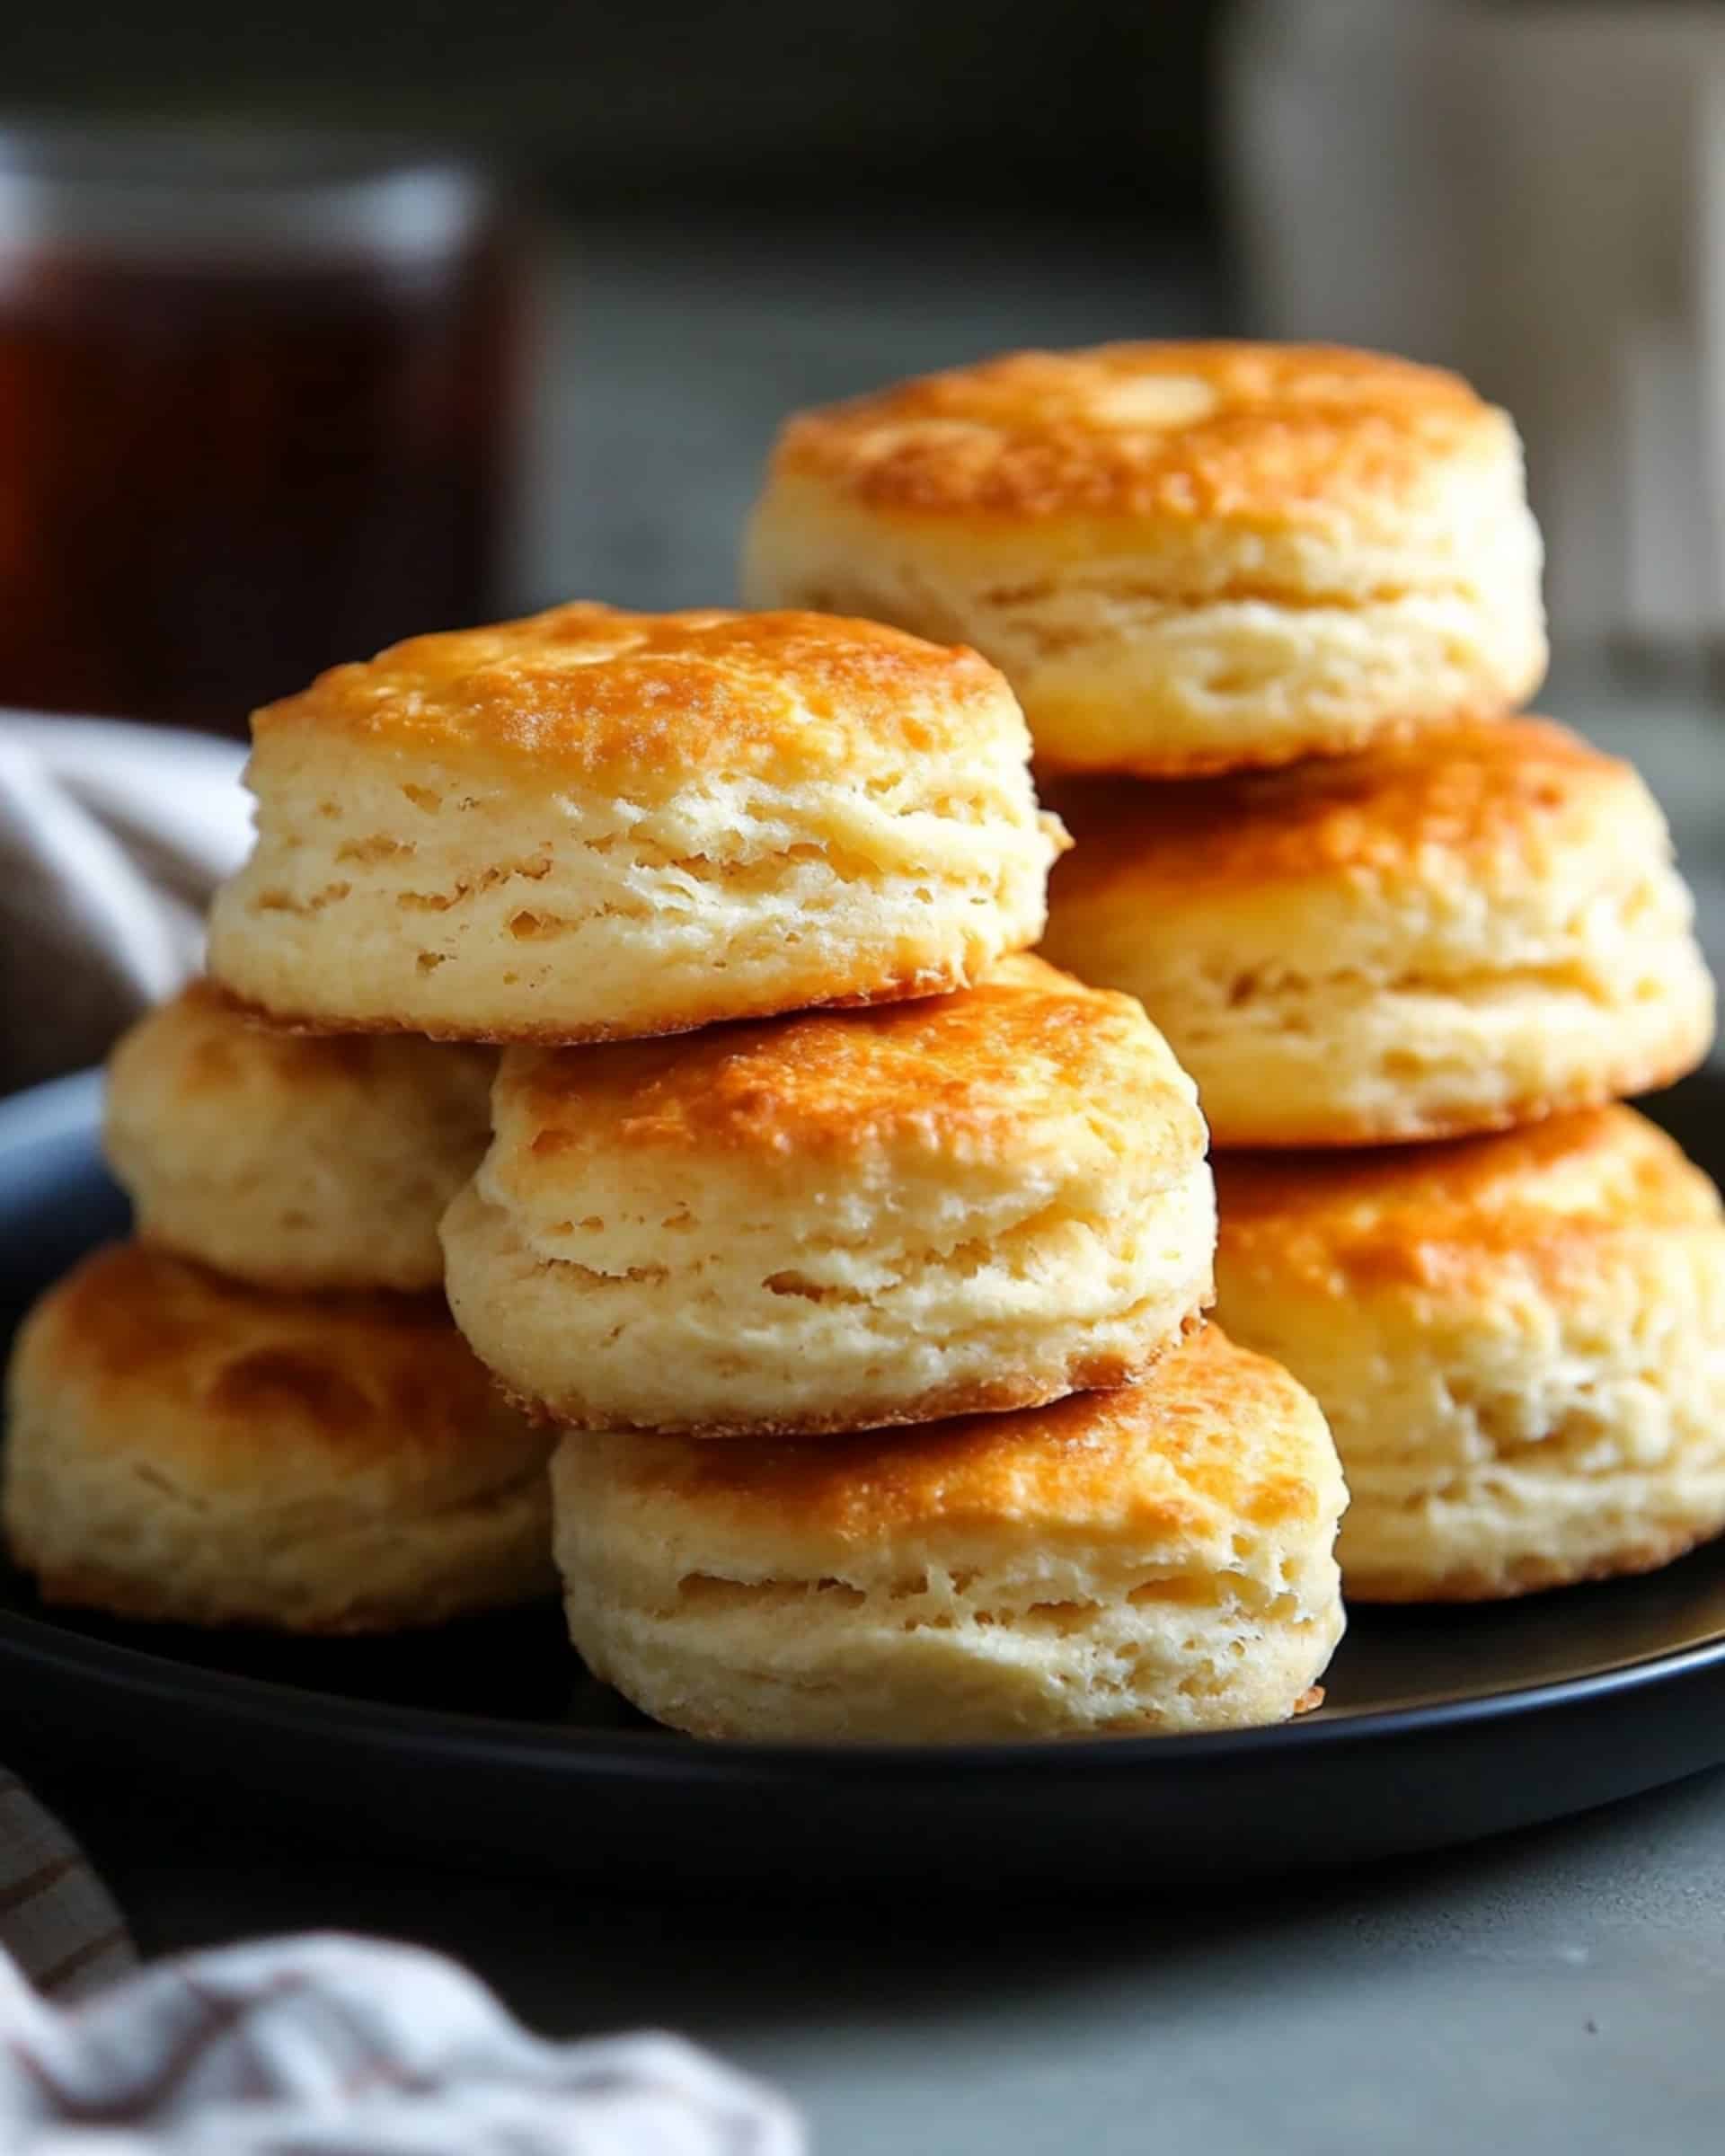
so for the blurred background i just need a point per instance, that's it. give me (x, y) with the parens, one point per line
(321, 326)
(731, 210)
(738, 208)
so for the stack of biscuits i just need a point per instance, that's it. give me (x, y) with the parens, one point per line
(1272, 614)
(627, 1139)
(854, 1260)
(257, 1410)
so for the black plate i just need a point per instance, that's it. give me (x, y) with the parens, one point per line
(487, 1742)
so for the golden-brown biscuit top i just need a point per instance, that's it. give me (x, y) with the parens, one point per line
(252, 1382)
(593, 692)
(1463, 796)
(1214, 1436)
(1451, 1217)
(1178, 433)
(1013, 1062)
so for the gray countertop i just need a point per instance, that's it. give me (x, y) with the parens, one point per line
(1558, 1991)
(1561, 1990)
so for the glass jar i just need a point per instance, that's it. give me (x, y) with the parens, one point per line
(257, 402)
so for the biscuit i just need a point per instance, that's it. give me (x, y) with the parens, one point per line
(292, 1161)
(592, 825)
(1450, 934)
(1519, 1342)
(1186, 558)
(840, 1220)
(185, 1449)
(1155, 1558)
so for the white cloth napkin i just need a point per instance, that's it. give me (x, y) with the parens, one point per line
(111, 838)
(327, 2046)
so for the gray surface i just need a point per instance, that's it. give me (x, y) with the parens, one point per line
(665, 359)
(1554, 1990)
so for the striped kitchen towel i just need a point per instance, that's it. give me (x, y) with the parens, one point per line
(57, 1921)
(320, 2046)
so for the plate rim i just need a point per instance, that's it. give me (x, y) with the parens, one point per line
(51, 1110)
(115, 1665)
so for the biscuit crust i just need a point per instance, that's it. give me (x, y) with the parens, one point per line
(1187, 558)
(292, 1162)
(1157, 1558)
(1182, 433)
(637, 702)
(591, 825)
(1455, 933)
(1519, 1342)
(185, 1449)
(839, 1222)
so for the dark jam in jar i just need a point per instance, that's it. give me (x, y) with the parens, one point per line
(255, 415)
